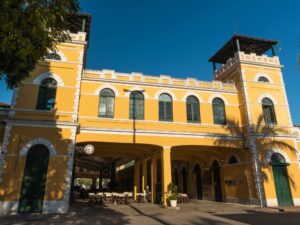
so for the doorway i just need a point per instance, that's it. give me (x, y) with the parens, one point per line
(34, 180)
(217, 181)
(281, 180)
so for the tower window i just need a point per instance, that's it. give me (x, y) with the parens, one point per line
(263, 79)
(192, 109)
(268, 111)
(136, 105)
(54, 56)
(165, 108)
(107, 103)
(47, 94)
(219, 111)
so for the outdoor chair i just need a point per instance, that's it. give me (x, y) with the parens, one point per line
(99, 198)
(92, 198)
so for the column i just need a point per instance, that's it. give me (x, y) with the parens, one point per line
(136, 178)
(166, 171)
(153, 178)
(144, 175)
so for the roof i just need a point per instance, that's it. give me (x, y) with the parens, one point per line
(79, 22)
(4, 105)
(247, 44)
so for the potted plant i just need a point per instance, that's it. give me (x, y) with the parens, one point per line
(173, 195)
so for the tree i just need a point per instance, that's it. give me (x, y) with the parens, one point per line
(29, 29)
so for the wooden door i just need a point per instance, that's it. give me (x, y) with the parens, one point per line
(34, 180)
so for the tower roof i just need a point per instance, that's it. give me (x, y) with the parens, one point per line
(242, 43)
(79, 22)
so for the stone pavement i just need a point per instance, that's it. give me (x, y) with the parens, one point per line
(196, 212)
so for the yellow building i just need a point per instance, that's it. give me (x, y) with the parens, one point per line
(228, 140)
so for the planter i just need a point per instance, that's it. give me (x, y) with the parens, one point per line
(173, 203)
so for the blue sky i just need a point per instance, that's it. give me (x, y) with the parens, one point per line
(176, 37)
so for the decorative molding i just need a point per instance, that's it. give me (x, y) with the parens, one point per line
(61, 54)
(38, 80)
(167, 91)
(69, 171)
(136, 88)
(277, 150)
(192, 93)
(108, 86)
(266, 95)
(261, 74)
(37, 141)
(217, 95)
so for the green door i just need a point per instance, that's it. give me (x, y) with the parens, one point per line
(34, 180)
(282, 186)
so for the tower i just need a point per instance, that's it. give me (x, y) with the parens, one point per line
(264, 108)
(43, 118)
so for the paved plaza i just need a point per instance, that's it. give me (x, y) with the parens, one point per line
(196, 212)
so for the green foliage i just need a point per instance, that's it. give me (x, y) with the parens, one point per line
(173, 191)
(28, 30)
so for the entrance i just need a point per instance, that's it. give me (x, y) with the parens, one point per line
(217, 181)
(197, 172)
(34, 180)
(282, 186)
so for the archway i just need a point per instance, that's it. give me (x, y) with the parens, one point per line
(217, 181)
(197, 171)
(34, 180)
(282, 186)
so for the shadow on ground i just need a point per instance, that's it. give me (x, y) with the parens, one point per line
(79, 214)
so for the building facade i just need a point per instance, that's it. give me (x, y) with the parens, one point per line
(230, 140)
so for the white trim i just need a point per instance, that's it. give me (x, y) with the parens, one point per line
(56, 206)
(266, 95)
(36, 141)
(158, 93)
(296, 201)
(7, 207)
(260, 74)
(192, 93)
(38, 80)
(108, 86)
(136, 88)
(280, 151)
(94, 130)
(272, 202)
(61, 54)
(212, 97)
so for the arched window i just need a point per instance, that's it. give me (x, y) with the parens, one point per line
(54, 56)
(233, 160)
(277, 158)
(136, 105)
(268, 111)
(263, 79)
(47, 94)
(165, 108)
(107, 103)
(219, 111)
(192, 109)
